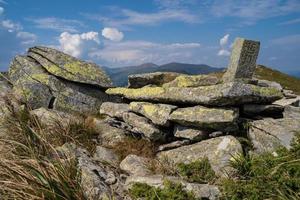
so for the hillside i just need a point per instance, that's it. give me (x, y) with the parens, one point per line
(287, 81)
(119, 75)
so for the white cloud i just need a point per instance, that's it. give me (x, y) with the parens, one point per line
(76, 44)
(11, 26)
(26, 37)
(57, 24)
(1, 10)
(112, 34)
(223, 52)
(224, 40)
(293, 21)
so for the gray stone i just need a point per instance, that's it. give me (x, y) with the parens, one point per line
(173, 145)
(135, 165)
(193, 81)
(145, 127)
(218, 150)
(201, 191)
(106, 155)
(233, 93)
(114, 109)
(156, 78)
(189, 133)
(266, 83)
(157, 113)
(292, 112)
(269, 134)
(289, 94)
(223, 119)
(288, 102)
(255, 109)
(243, 60)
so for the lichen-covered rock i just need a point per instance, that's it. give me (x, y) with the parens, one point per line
(156, 78)
(157, 113)
(173, 145)
(218, 150)
(106, 155)
(135, 165)
(193, 81)
(232, 93)
(223, 119)
(255, 109)
(192, 134)
(266, 83)
(269, 134)
(114, 109)
(145, 127)
(70, 68)
(292, 112)
(201, 191)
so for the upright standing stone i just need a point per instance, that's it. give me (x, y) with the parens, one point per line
(243, 60)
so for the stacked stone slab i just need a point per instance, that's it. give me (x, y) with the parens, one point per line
(194, 115)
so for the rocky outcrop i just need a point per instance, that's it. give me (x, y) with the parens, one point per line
(218, 150)
(51, 79)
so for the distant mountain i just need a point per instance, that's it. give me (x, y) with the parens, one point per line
(120, 75)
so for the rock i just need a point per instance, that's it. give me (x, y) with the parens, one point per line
(108, 134)
(266, 83)
(145, 127)
(192, 134)
(39, 88)
(223, 119)
(289, 94)
(157, 113)
(269, 134)
(114, 109)
(135, 165)
(243, 60)
(233, 93)
(291, 112)
(287, 102)
(106, 155)
(156, 78)
(218, 150)
(215, 134)
(70, 68)
(193, 81)
(53, 119)
(255, 109)
(173, 145)
(201, 191)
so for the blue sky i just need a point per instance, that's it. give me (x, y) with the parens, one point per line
(130, 32)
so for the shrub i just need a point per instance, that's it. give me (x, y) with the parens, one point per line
(170, 191)
(199, 171)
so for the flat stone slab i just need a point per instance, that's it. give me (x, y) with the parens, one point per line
(233, 93)
(292, 112)
(70, 68)
(223, 119)
(191, 134)
(254, 109)
(157, 113)
(269, 134)
(218, 150)
(114, 109)
(193, 81)
(288, 102)
(155, 78)
(243, 60)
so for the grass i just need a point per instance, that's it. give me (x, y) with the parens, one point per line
(28, 169)
(265, 176)
(287, 81)
(170, 191)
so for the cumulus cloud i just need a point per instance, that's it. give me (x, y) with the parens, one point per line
(112, 34)
(1, 10)
(76, 44)
(224, 49)
(26, 37)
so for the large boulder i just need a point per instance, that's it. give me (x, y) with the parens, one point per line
(157, 113)
(269, 134)
(156, 78)
(232, 93)
(33, 80)
(223, 119)
(218, 150)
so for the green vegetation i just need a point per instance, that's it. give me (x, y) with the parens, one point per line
(170, 191)
(30, 167)
(287, 81)
(199, 171)
(266, 176)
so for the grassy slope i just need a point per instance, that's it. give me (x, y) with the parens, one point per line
(288, 82)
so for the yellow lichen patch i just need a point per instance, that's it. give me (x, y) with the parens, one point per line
(192, 81)
(129, 92)
(43, 78)
(266, 91)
